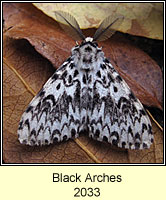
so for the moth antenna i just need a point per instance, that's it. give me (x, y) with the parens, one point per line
(69, 25)
(108, 27)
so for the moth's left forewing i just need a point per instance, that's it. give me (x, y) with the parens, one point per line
(49, 117)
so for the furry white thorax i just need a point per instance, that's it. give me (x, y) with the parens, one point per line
(87, 55)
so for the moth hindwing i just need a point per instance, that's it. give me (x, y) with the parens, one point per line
(86, 94)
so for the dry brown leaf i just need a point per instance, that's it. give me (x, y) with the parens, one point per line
(25, 71)
(25, 21)
(141, 19)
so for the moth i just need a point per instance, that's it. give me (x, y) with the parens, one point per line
(86, 94)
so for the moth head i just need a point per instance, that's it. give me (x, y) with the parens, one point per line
(88, 46)
(88, 39)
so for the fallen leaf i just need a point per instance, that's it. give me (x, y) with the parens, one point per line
(24, 73)
(25, 21)
(141, 19)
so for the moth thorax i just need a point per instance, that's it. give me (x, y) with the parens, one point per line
(88, 56)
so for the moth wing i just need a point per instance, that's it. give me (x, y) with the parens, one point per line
(117, 116)
(49, 117)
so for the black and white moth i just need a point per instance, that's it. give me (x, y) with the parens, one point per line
(86, 94)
